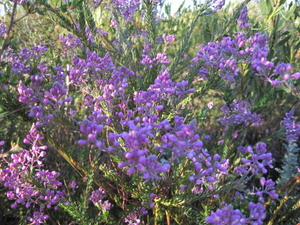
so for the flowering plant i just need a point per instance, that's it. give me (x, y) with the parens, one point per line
(131, 126)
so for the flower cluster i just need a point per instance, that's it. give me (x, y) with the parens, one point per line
(28, 183)
(127, 7)
(230, 216)
(69, 44)
(221, 55)
(179, 141)
(91, 130)
(226, 216)
(161, 58)
(2, 29)
(91, 68)
(97, 197)
(138, 157)
(257, 213)
(169, 38)
(238, 112)
(292, 128)
(208, 170)
(217, 4)
(43, 103)
(227, 55)
(21, 61)
(243, 18)
(267, 188)
(133, 218)
(146, 126)
(164, 90)
(257, 161)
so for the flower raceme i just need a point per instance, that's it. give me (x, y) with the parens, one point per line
(230, 216)
(28, 183)
(227, 55)
(257, 161)
(2, 29)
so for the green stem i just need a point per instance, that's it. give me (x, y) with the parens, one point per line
(186, 40)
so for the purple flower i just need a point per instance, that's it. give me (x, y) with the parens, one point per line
(147, 61)
(2, 29)
(239, 113)
(295, 75)
(127, 7)
(217, 4)
(275, 82)
(230, 216)
(162, 58)
(282, 68)
(243, 18)
(169, 38)
(257, 213)
(267, 188)
(38, 218)
(227, 216)
(73, 185)
(134, 218)
(227, 55)
(97, 197)
(292, 128)
(69, 44)
(208, 170)
(257, 161)
(16, 175)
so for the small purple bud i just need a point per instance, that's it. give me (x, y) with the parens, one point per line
(82, 142)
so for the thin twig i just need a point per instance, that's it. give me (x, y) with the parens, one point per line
(22, 17)
(168, 217)
(12, 112)
(6, 40)
(277, 211)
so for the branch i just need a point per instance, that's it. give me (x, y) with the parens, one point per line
(6, 40)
